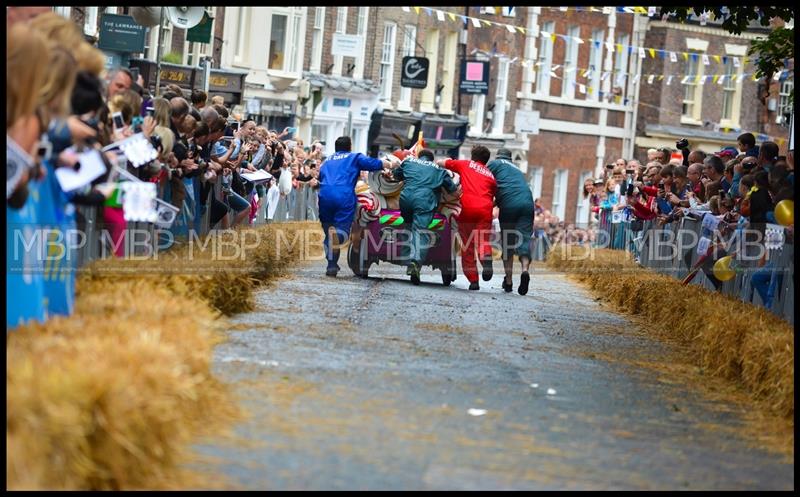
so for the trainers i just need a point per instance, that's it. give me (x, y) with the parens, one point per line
(474, 286)
(488, 271)
(524, 279)
(413, 270)
(508, 287)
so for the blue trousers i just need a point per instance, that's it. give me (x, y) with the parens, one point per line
(766, 281)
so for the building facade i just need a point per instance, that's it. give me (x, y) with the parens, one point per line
(711, 96)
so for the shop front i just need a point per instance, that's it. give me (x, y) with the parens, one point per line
(271, 113)
(389, 130)
(444, 135)
(227, 83)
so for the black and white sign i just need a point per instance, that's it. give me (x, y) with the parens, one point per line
(414, 72)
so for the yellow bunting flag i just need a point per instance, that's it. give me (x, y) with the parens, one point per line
(521, 30)
(744, 61)
(553, 38)
(619, 47)
(652, 53)
(452, 16)
(717, 58)
(685, 56)
(416, 9)
(660, 77)
(715, 78)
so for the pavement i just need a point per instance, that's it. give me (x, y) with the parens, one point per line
(361, 384)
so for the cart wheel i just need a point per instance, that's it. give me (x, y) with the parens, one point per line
(356, 261)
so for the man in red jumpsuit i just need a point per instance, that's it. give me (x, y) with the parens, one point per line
(475, 220)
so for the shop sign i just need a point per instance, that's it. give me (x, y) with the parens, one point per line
(120, 33)
(346, 45)
(526, 122)
(414, 72)
(474, 77)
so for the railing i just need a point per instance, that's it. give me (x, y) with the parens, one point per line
(146, 238)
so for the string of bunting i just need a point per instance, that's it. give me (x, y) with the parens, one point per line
(650, 11)
(586, 89)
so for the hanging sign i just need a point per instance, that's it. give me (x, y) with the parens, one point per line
(474, 77)
(414, 72)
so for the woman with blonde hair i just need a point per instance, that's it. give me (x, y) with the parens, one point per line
(161, 111)
(24, 280)
(63, 32)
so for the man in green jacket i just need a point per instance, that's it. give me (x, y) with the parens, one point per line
(515, 201)
(418, 202)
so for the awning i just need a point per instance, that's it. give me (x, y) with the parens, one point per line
(340, 83)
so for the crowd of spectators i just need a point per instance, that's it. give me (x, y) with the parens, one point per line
(62, 102)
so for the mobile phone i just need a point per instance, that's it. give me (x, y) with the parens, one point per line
(234, 125)
(292, 130)
(119, 123)
(150, 111)
(135, 73)
(44, 150)
(609, 166)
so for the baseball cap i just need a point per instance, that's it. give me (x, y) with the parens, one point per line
(503, 153)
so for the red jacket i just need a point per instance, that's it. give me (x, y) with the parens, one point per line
(478, 184)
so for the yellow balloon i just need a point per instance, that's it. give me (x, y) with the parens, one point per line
(784, 212)
(722, 269)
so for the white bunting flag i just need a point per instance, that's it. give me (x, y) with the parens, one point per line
(440, 15)
(605, 76)
(570, 69)
(673, 57)
(703, 80)
(563, 9)
(544, 34)
(641, 53)
(651, 11)
(736, 62)
(740, 78)
(721, 79)
(582, 89)
(510, 28)
(669, 79)
(406, 9)
(636, 79)
(610, 46)
(608, 10)
(578, 40)
(684, 80)
(650, 79)
(553, 74)
(705, 60)
(475, 22)
(777, 76)
(555, 67)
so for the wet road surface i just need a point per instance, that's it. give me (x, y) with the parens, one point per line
(377, 384)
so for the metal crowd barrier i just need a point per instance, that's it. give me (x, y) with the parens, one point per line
(301, 205)
(677, 263)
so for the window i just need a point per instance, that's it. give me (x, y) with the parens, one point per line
(285, 52)
(545, 59)
(536, 181)
(570, 62)
(448, 76)
(196, 51)
(427, 102)
(729, 90)
(784, 107)
(240, 31)
(691, 88)
(151, 40)
(90, 20)
(387, 60)
(560, 193)
(595, 64)
(111, 10)
(499, 114)
(316, 38)
(582, 210)
(508, 11)
(621, 62)
(341, 27)
(361, 29)
(277, 41)
(409, 44)
(63, 11)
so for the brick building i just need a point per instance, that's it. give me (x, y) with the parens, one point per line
(728, 99)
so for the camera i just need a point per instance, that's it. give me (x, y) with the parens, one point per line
(682, 143)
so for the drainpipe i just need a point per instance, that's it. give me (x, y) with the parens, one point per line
(639, 30)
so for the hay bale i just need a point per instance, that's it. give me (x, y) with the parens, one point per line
(731, 339)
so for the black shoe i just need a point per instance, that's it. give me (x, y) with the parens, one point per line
(413, 269)
(508, 287)
(474, 286)
(331, 272)
(524, 279)
(488, 271)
